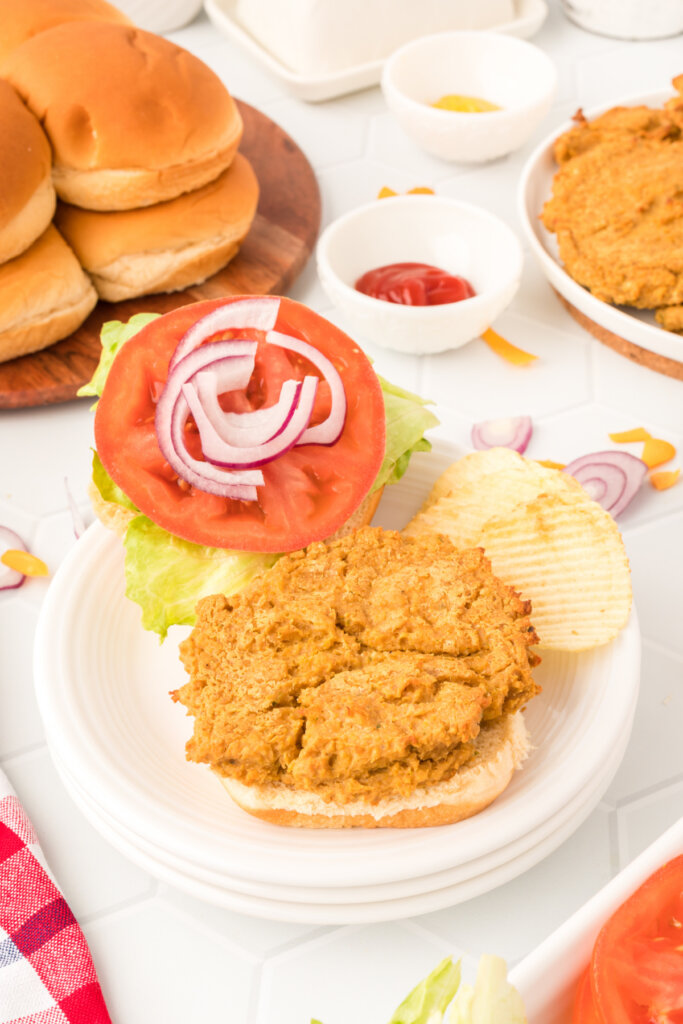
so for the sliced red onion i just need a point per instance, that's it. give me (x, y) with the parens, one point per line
(513, 432)
(10, 541)
(76, 518)
(330, 429)
(245, 429)
(610, 478)
(220, 453)
(258, 313)
(230, 374)
(172, 412)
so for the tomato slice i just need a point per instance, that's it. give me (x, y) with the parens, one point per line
(309, 492)
(584, 1006)
(637, 964)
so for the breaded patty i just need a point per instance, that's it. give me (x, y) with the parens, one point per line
(364, 666)
(617, 205)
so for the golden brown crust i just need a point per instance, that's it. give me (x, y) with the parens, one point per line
(27, 198)
(23, 20)
(132, 118)
(166, 246)
(44, 296)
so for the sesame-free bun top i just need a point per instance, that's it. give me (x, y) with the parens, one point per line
(27, 198)
(132, 118)
(23, 19)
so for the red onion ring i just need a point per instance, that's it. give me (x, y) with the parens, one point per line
(10, 579)
(220, 453)
(330, 429)
(258, 313)
(171, 415)
(610, 478)
(243, 429)
(514, 432)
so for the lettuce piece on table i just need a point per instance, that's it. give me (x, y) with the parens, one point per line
(429, 1000)
(492, 999)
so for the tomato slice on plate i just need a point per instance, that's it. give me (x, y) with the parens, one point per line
(637, 964)
(584, 1007)
(309, 492)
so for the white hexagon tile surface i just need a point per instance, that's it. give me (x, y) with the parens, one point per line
(161, 954)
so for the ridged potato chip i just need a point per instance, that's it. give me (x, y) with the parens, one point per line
(545, 536)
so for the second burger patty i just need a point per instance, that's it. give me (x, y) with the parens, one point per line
(360, 668)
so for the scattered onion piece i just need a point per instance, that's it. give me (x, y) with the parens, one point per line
(549, 464)
(610, 478)
(656, 452)
(10, 542)
(663, 480)
(626, 436)
(513, 432)
(76, 518)
(505, 349)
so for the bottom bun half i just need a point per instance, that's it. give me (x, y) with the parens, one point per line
(501, 747)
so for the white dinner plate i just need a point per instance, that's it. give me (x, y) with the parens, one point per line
(102, 685)
(530, 16)
(455, 885)
(535, 187)
(279, 908)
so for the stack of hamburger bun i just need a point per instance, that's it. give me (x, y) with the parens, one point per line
(44, 294)
(153, 195)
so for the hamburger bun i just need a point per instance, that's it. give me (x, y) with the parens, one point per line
(22, 21)
(27, 198)
(44, 296)
(132, 118)
(501, 746)
(168, 246)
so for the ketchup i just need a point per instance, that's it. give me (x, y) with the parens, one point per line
(414, 284)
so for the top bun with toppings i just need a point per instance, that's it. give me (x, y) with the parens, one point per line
(132, 118)
(231, 431)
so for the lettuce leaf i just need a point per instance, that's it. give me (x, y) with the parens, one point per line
(166, 576)
(407, 418)
(429, 1000)
(492, 1000)
(113, 335)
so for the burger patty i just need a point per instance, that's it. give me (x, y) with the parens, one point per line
(362, 667)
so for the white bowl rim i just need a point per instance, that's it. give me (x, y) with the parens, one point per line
(455, 116)
(480, 299)
(614, 318)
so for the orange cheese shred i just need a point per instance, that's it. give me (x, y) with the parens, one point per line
(655, 452)
(420, 190)
(23, 562)
(665, 479)
(549, 464)
(505, 349)
(637, 434)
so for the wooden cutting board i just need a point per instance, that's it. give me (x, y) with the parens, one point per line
(278, 245)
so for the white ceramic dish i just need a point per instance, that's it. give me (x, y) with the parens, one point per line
(456, 884)
(102, 685)
(342, 910)
(547, 978)
(535, 187)
(530, 16)
(514, 74)
(458, 237)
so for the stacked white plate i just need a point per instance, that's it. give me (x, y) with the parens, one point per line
(118, 743)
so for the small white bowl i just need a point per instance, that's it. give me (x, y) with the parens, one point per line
(516, 75)
(457, 237)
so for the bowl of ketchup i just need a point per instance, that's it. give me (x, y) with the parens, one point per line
(419, 273)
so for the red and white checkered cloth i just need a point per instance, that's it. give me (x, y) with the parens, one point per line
(46, 972)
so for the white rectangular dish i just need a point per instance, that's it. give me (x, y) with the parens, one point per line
(548, 977)
(530, 15)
